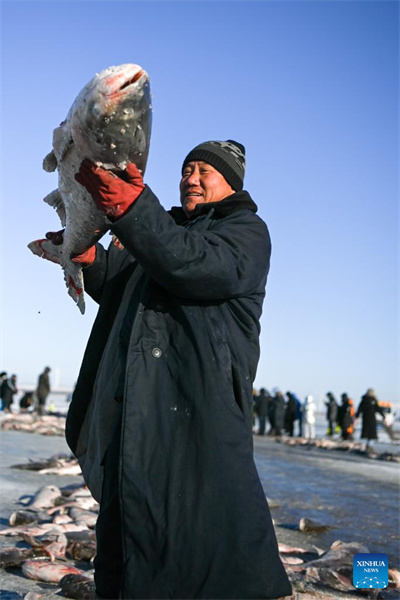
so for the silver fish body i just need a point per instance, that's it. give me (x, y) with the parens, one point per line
(45, 497)
(109, 123)
(13, 556)
(50, 572)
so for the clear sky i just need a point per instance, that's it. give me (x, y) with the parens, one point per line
(310, 88)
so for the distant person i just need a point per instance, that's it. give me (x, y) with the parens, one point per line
(254, 408)
(271, 413)
(290, 413)
(279, 413)
(299, 415)
(368, 408)
(8, 391)
(346, 415)
(309, 409)
(26, 402)
(43, 390)
(388, 422)
(3, 378)
(262, 402)
(331, 413)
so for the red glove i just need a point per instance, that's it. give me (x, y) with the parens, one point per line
(111, 193)
(85, 259)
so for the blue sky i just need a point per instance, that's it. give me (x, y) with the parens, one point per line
(310, 88)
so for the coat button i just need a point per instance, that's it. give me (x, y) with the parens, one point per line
(156, 352)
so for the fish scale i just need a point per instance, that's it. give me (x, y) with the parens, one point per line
(109, 124)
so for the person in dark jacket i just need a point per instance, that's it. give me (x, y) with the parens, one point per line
(43, 390)
(346, 417)
(299, 415)
(331, 413)
(3, 378)
(26, 402)
(262, 401)
(279, 414)
(161, 416)
(8, 391)
(290, 413)
(368, 408)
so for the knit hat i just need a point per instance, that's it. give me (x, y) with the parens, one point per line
(227, 157)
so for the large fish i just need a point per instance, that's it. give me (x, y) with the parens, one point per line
(45, 497)
(109, 123)
(50, 572)
(13, 556)
(78, 586)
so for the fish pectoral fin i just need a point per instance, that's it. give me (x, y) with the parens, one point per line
(74, 280)
(55, 200)
(50, 162)
(62, 142)
(46, 249)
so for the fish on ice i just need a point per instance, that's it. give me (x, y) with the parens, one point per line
(45, 497)
(78, 586)
(50, 572)
(109, 123)
(14, 556)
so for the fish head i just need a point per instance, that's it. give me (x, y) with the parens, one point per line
(110, 120)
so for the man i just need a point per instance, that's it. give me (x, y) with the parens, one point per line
(8, 391)
(43, 390)
(290, 413)
(331, 413)
(368, 408)
(262, 402)
(161, 417)
(3, 378)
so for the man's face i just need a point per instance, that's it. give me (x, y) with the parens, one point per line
(202, 183)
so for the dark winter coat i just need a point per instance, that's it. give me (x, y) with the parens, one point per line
(43, 387)
(262, 402)
(290, 409)
(345, 418)
(332, 410)
(279, 412)
(368, 408)
(7, 392)
(194, 517)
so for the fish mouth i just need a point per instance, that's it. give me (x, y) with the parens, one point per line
(132, 80)
(123, 82)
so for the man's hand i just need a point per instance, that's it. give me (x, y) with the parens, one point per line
(56, 237)
(111, 194)
(85, 259)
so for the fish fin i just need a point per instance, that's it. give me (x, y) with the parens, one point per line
(72, 271)
(62, 142)
(50, 162)
(55, 200)
(74, 280)
(46, 249)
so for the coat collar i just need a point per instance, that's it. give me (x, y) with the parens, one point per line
(223, 208)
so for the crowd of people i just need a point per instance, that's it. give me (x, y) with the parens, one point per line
(282, 413)
(276, 415)
(34, 400)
